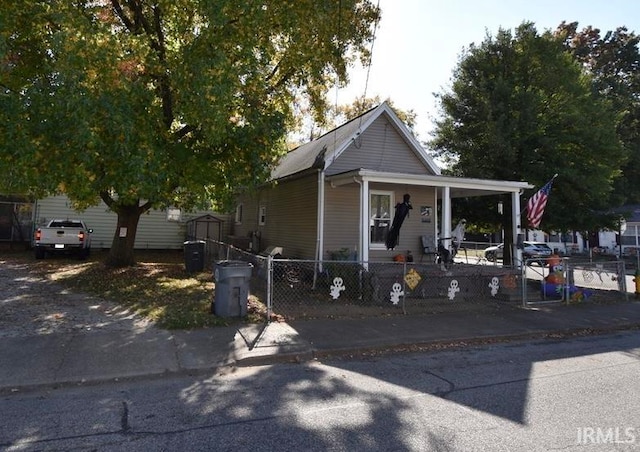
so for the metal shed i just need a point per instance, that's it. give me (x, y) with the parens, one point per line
(205, 227)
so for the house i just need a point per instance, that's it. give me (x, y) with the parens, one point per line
(630, 238)
(157, 229)
(605, 241)
(336, 195)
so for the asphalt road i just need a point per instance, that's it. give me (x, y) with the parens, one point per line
(580, 394)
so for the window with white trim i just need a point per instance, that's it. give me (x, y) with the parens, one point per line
(239, 214)
(174, 214)
(262, 215)
(380, 203)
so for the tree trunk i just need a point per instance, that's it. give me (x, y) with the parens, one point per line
(121, 253)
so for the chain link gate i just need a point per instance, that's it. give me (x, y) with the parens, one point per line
(571, 281)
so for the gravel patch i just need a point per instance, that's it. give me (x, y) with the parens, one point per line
(33, 305)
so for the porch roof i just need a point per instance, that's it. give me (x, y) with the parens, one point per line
(459, 186)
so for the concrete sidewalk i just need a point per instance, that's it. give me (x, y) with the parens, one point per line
(91, 357)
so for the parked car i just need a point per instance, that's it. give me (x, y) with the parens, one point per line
(494, 252)
(63, 236)
(530, 250)
(534, 250)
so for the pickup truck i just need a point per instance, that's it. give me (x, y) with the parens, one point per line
(63, 236)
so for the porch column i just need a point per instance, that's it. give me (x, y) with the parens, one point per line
(363, 252)
(445, 230)
(516, 222)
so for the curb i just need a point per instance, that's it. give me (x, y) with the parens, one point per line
(312, 354)
(459, 343)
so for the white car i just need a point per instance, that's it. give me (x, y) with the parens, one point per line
(530, 250)
(494, 252)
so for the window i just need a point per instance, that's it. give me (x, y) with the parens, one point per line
(239, 214)
(379, 216)
(262, 215)
(174, 214)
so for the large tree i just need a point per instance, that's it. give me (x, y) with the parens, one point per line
(155, 103)
(613, 61)
(521, 108)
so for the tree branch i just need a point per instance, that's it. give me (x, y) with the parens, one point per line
(121, 14)
(165, 86)
(144, 207)
(184, 131)
(106, 197)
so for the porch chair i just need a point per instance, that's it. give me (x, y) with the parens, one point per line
(428, 247)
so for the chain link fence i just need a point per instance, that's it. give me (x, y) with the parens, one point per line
(572, 281)
(307, 289)
(313, 289)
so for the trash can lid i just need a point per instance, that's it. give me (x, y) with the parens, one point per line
(191, 242)
(233, 263)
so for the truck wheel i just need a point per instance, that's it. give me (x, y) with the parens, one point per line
(39, 253)
(84, 253)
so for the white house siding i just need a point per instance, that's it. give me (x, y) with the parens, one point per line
(291, 212)
(154, 230)
(381, 148)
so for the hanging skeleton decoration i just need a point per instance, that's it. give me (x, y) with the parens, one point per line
(402, 210)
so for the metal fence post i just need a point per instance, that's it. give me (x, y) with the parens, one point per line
(269, 287)
(404, 287)
(523, 279)
(622, 277)
(565, 278)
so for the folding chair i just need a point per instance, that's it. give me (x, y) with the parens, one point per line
(428, 248)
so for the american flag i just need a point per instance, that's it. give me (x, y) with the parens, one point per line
(537, 203)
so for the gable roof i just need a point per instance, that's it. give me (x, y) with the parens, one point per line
(631, 212)
(319, 152)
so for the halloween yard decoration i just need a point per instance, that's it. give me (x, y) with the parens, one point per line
(445, 256)
(402, 210)
(457, 236)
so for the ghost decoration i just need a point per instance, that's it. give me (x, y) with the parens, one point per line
(494, 285)
(337, 287)
(453, 289)
(396, 293)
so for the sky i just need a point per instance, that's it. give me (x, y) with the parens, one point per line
(418, 43)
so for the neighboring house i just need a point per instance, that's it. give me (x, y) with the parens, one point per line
(606, 241)
(631, 233)
(337, 194)
(157, 229)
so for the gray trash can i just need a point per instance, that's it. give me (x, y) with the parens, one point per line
(232, 288)
(194, 256)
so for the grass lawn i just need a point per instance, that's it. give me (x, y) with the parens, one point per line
(158, 287)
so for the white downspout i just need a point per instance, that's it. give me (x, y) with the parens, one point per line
(320, 226)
